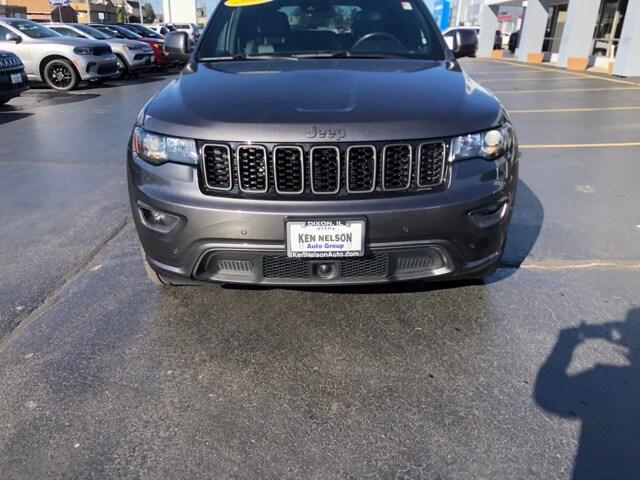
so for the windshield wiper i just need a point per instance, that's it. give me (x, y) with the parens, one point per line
(347, 54)
(243, 57)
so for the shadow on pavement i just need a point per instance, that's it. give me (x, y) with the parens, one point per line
(606, 398)
(8, 116)
(526, 223)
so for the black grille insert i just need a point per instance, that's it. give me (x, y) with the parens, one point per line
(361, 169)
(396, 167)
(431, 158)
(288, 168)
(325, 170)
(217, 167)
(252, 168)
(281, 267)
(277, 266)
(375, 266)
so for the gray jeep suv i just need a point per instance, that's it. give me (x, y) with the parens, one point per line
(324, 142)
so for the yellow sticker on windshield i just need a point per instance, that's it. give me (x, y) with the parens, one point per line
(245, 3)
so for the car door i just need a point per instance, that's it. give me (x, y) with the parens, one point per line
(21, 49)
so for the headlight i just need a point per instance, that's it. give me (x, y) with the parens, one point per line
(158, 149)
(83, 50)
(490, 144)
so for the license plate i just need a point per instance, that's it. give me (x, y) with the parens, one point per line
(325, 238)
(16, 78)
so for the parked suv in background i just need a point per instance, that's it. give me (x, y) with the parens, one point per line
(59, 61)
(13, 80)
(191, 28)
(118, 31)
(325, 143)
(132, 55)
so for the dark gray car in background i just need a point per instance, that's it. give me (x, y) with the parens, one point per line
(322, 142)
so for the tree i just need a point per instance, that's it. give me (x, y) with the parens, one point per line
(148, 13)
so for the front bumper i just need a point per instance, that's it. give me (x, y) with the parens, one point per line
(8, 89)
(449, 234)
(94, 67)
(139, 60)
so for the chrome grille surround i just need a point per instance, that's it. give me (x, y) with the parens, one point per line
(398, 163)
(350, 150)
(252, 171)
(312, 169)
(217, 167)
(277, 164)
(440, 166)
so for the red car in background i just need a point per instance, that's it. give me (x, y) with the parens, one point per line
(118, 31)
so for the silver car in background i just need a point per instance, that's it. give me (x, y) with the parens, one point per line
(132, 56)
(59, 61)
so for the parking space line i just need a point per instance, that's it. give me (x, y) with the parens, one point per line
(577, 265)
(532, 79)
(513, 63)
(584, 109)
(580, 145)
(564, 90)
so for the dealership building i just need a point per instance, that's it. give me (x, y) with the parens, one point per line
(574, 34)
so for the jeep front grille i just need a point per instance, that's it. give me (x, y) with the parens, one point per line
(310, 171)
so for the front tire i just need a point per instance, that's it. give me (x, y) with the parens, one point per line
(123, 69)
(61, 75)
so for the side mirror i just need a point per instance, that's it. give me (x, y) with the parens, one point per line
(176, 45)
(465, 43)
(12, 37)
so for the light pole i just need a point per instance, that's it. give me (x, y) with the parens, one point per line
(89, 11)
(141, 17)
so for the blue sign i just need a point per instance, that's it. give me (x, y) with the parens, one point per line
(441, 9)
(58, 3)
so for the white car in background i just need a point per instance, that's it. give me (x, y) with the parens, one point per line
(450, 32)
(132, 56)
(59, 61)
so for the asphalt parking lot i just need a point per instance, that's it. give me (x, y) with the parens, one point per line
(534, 374)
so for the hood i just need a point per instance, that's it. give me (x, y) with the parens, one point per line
(306, 100)
(72, 42)
(128, 43)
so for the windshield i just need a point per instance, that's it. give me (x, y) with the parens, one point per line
(349, 28)
(33, 29)
(144, 31)
(93, 32)
(118, 32)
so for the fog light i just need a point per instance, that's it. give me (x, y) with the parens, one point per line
(325, 270)
(155, 220)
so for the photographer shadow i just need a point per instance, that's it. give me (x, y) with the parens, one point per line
(606, 398)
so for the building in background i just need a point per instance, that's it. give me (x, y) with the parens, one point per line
(36, 9)
(575, 34)
(75, 11)
(12, 11)
(441, 10)
(97, 11)
(179, 11)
